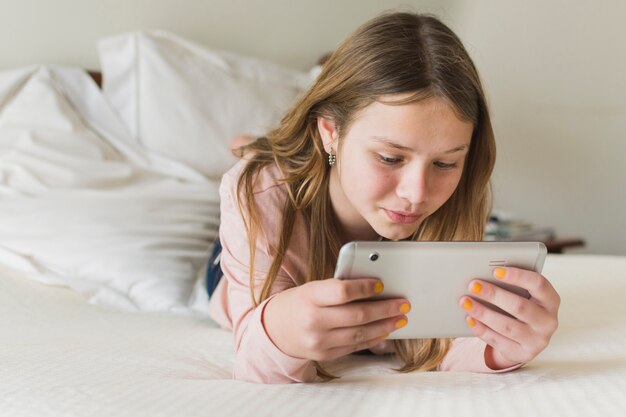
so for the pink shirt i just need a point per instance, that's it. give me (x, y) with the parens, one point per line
(257, 358)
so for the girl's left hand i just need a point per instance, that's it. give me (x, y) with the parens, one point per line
(517, 339)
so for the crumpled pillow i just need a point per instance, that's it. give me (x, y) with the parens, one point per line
(187, 101)
(83, 205)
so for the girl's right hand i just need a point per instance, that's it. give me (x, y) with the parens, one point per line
(324, 320)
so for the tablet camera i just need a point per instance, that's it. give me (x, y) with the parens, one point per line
(373, 256)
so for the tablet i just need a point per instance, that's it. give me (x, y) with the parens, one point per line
(433, 276)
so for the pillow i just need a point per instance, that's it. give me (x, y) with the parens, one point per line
(187, 101)
(82, 205)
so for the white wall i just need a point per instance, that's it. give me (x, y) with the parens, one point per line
(554, 73)
(293, 33)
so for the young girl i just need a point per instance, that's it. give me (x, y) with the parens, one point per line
(392, 141)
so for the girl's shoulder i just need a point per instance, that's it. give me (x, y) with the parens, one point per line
(266, 180)
(269, 198)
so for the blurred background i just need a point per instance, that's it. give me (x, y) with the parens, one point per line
(553, 72)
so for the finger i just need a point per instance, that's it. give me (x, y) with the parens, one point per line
(497, 341)
(508, 327)
(517, 306)
(363, 337)
(537, 285)
(384, 346)
(531, 340)
(357, 335)
(362, 312)
(335, 353)
(331, 292)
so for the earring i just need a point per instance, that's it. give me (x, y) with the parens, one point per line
(331, 158)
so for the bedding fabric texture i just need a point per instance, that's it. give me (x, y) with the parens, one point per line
(62, 357)
(83, 205)
(187, 101)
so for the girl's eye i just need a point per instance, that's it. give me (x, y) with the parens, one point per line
(443, 165)
(388, 160)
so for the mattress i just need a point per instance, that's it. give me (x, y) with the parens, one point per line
(60, 356)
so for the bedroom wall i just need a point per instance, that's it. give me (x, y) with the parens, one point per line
(553, 73)
(294, 33)
(555, 76)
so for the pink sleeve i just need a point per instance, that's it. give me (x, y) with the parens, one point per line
(468, 354)
(257, 358)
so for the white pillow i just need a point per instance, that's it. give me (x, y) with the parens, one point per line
(84, 206)
(187, 101)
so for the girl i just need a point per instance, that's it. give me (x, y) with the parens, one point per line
(392, 141)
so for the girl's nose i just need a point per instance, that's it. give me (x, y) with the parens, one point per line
(413, 186)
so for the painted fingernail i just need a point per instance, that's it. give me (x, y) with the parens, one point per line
(477, 288)
(384, 337)
(467, 304)
(401, 323)
(499, 273)
(471, 322)
(405, 308)
(378, 287)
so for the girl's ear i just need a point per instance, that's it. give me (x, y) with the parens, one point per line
(328, 133)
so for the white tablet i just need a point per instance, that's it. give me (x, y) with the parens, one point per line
(433, 276)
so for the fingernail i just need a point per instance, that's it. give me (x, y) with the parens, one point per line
(384, 337)
(401, 323)
(471, 322)
(378, 287)
(467, 304)
(499, 273)
(476, 288)
(405, 308)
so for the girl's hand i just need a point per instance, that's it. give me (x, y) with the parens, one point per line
(324, 320)
(513, 340)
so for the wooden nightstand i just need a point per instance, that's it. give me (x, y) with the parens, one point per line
(557, 245)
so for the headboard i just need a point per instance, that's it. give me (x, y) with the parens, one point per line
(97, 77)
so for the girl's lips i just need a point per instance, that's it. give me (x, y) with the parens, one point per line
(402, 218)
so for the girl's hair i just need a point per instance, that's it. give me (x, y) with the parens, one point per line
(394, 53)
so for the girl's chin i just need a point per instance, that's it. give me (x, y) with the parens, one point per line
(390, 234)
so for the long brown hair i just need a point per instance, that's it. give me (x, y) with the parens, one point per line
(391, 54)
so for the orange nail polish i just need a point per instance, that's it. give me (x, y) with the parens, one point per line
(499, 273)
(378, 287)
(471, 322)
(405, 308)
(401, 323)
(467, 304)
(384, 337)
(476, 288)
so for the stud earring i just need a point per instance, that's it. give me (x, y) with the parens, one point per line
(331, 158)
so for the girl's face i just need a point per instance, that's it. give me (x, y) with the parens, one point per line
(396, 165)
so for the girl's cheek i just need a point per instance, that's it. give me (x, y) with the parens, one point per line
(383, 184)
(446, 189)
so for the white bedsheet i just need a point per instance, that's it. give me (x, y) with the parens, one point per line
(60, 356)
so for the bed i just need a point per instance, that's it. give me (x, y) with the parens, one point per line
(63, 357)
(105, 227)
